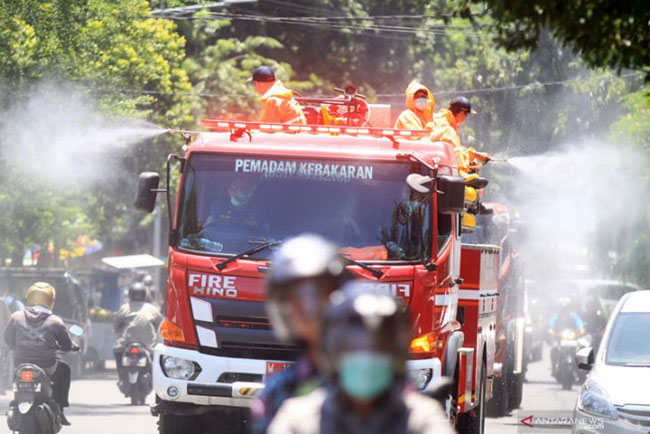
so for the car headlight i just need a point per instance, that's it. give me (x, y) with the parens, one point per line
(593, 399)
(180, 369)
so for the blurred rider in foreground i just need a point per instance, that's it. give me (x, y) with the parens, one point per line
(306, 270)
(365, 346)
(35, 334)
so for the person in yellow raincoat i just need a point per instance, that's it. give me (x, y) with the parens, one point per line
(447, 122)
(420, 105)
(278, 104)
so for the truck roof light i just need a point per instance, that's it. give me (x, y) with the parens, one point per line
(171, 332)
(224, 125)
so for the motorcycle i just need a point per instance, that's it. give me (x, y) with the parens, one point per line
(565, 347)
(137, 381)
(33, 410)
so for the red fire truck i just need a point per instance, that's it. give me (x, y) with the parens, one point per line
(391, 199)
(499, 227)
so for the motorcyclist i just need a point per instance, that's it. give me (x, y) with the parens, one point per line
(148, 283)
(365, 346)
(35, 334)
(595, 320)
(306, 270)
(136, 321)
(563, 320)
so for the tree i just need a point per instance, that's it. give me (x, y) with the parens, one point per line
(632, 130)
(127, 64)
(605, 33)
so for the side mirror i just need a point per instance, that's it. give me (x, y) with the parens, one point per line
(451, 195)
(75, 330)
(145, 199)
(585, 358)
(420, 183)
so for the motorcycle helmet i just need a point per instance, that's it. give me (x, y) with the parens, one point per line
(365, 341)
(308, 264)
(137, 292)
(41, 294)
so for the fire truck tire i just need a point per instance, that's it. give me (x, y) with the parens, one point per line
(473, 422)
(499, 404)
(516, 392)
(174, 424)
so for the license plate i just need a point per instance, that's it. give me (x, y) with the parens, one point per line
(275, 367)
(28, 387)
(567, 343)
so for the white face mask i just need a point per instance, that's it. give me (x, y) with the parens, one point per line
(422, 103)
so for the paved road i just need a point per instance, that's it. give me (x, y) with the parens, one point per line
(99, 408)
(543, 396)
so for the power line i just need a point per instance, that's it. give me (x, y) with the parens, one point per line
(324, 24)
(380, 95)
(513, 87)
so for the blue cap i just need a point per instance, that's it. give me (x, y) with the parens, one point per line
(263, 74)
(461, 104)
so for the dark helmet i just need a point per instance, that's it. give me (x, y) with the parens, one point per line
(137, 292)
(302, 259)
(363, 318)
(461, 104)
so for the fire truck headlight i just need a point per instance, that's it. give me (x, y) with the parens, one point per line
(420, 377)
(180, 369)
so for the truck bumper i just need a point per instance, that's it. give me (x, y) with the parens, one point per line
(204, 390)
(424, 373)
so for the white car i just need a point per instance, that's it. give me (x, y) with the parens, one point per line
(616, 395)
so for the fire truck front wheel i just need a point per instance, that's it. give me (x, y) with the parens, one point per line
(175, 424)
(473, 421)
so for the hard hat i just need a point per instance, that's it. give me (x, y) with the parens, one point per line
(41, 294)
(302, 258)
(363, 318)
(147, 280)
(564, 302)
(137, 292)
(461, 104)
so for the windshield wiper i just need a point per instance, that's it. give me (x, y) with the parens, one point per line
(377, 273)
(263, 245)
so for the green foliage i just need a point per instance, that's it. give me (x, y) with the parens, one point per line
(112, 48)
(606, 34)
(632, 130)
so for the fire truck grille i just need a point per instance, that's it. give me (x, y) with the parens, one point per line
(241, 330)
(242, 322)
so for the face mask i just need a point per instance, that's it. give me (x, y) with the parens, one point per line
(422, 103)
(236, 203)
(242, 200)
(365, 375)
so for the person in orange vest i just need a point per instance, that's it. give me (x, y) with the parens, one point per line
(447, 123)
(420, 105)
(278, 105)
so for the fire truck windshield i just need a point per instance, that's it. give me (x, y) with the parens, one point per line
(231, 203)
